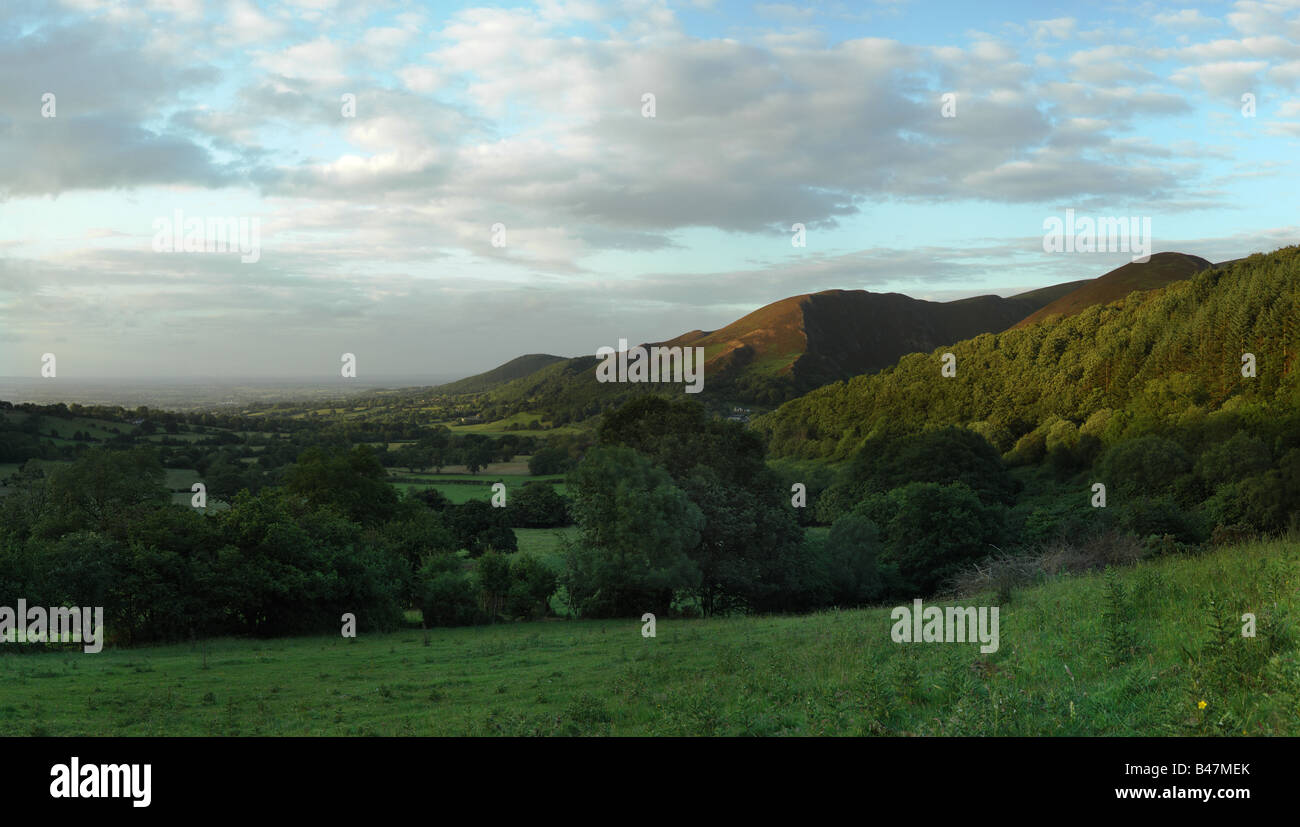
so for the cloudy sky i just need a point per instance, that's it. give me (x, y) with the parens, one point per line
(376, 218)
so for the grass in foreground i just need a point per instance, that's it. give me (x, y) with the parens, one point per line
(1152, 650)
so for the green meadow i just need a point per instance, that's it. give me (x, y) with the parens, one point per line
(460, 488)
(1154, 649)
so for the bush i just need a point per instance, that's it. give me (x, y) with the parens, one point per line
(532, 583)
(1143, 467)
(850, 560)
(1265, 501)
(931, 532)
(449, 593)
(549, 461)
(1069, 517)
(477, 526)
(1159, 516)
(538, 505)
(1234, 459)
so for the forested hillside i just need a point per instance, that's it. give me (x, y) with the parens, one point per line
(1155, 360)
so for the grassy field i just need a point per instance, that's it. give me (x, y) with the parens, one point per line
(66, 427)
(500, 427)
(459, 486)
(1058, 671)
(544, 542)
(181, 479)
(9, 468)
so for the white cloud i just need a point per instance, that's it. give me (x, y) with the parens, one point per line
(1229, 79)
(1184, 19)
(320, 60)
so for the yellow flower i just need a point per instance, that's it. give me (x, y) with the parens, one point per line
(1201, 705)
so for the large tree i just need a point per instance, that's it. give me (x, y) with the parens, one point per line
(635, 528)
(352, 481)
(749, 528)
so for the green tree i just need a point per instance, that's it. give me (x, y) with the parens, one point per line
(749, 531)
(531, 587)
(492, 576)
(103, 490)
(538, 505)
(448, 593)
(851, 550)
(352, 481)
(635, 528)
(931, 531)
(1142, 467)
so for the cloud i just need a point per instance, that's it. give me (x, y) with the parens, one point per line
(530, 116)
(1184, 19)
(1225, 79)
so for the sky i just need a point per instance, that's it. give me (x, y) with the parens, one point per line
(437, 188)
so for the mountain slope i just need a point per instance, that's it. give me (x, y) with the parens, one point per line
(780, 350)
(805, 341)
(1157, 357)
(772, 354)
(1160, 270)
(1046, 295)
(500, 375)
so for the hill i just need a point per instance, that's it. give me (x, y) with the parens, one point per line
(805, 341)
(1162, 269)
(500, 375)
(1045, 295)
(1152, 359)
(783, 349)
(780, 350)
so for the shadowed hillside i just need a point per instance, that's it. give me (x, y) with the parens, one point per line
(514, 369)
(802, 342)
(1162, 269)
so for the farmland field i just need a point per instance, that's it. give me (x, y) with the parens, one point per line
(544, 542)
(460, 487)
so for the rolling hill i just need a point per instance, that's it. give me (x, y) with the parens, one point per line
(800, 343)
(500, 375)
(780, 350)
(805, 341)
(1162, 269)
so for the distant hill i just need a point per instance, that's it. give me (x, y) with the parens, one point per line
(1172, 355)
(1160, 270)
(778, 351)
(805, 341)
(498, 376)
(1046, 295)
(795, 345)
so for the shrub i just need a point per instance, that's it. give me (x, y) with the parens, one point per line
(538, 505)
(850, 560)
(1143, 466)
(492, 579)
(532, 584)
(1159, 516)
(449, 594)
(931, 531)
